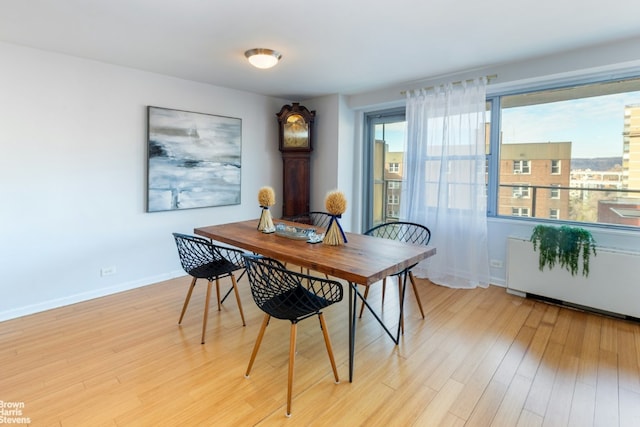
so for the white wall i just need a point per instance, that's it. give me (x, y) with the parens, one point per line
(334, 164)
(603, 58)
(325, 147)
(349, 161)
(73, 174)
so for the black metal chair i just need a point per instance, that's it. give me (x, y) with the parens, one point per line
(202, 259)
(288, 295)
(315, 218)
(404, 232)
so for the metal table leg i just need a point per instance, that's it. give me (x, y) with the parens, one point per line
(352, 328)
(353, 299)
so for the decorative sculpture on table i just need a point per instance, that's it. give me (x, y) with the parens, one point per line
(266, 198)
(336, 204)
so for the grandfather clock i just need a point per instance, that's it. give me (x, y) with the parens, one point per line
(296, 143)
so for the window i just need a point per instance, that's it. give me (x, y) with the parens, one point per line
(521, 166)
(579, 147)
(385, 135)
(393, 199)
(570, 149)
(520, 211)
(521, 192)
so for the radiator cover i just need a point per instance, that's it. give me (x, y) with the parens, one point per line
(613, 284)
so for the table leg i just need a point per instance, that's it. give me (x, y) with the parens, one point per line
(404, 288)
(353, 299)
(352, 328)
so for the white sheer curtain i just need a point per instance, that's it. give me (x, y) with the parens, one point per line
(444, 180)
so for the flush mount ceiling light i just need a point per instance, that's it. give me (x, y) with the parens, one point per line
(263, 58)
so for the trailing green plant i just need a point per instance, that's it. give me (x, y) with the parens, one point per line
(563, 245)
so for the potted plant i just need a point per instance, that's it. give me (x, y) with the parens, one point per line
(563, 245)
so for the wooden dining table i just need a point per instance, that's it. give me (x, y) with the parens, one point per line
(362, 260)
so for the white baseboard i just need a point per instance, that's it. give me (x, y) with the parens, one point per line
(516, 293)
(85, 296)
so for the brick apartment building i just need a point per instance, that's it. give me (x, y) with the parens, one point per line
(528, 174)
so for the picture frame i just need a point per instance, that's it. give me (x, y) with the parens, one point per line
(194, 160)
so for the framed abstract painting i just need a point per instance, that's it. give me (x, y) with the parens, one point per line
(193, 160)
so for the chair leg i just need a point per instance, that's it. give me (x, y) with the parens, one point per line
(235, 289)
(256, 346)
(415, 291)
(327, 342)
(400, 294)
(218, 293)
(384, 288)
(366, 293)
(206, 311)
(187, 299)
(292, 359)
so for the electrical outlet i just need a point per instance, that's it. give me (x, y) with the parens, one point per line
(108, 271)
(496, 263)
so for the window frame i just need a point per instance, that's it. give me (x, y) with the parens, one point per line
(370, 120)
(494, 98)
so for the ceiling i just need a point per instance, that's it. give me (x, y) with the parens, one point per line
(328, 46)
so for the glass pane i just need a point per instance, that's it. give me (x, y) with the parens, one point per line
(378, 181)
(577, 150)
(388, 159)
(487, 128)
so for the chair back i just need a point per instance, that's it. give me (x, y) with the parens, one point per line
(316, 218)
(286, 294)
(201, 258)
(402, 231)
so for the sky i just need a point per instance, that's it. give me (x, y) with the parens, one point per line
(594, 126)
(596, 131)
(394, 135)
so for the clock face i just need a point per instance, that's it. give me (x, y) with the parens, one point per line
(296, 132)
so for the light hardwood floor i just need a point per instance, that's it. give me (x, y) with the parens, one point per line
(480, 358)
